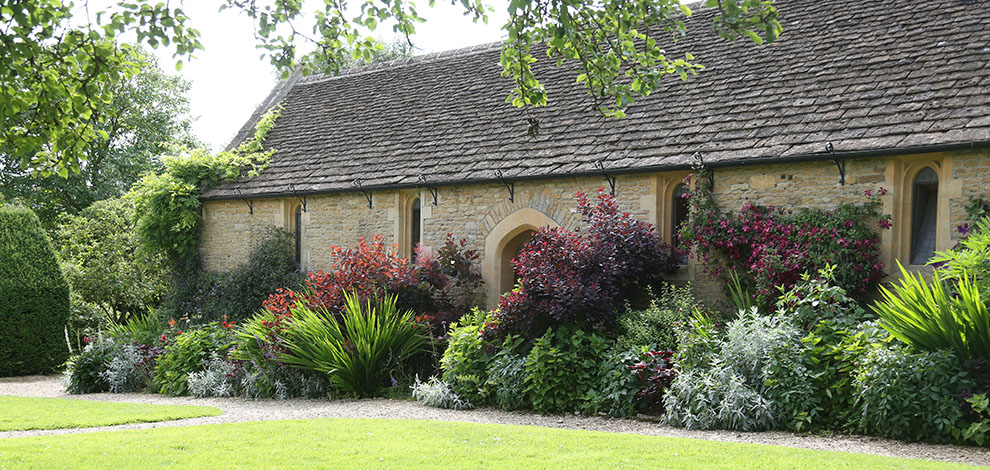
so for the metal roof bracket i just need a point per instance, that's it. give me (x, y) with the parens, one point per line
(301, 199)
(511, 186)
(432, 189)
(611, 179)
(367, 193)
(249, 202)
(840, 164)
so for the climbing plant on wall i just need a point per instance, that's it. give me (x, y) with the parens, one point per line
(770, 247)
(167, 203)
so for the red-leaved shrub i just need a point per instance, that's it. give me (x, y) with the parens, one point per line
(441, 286)
(569, 278)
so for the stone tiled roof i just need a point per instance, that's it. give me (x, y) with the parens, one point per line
(864, 75)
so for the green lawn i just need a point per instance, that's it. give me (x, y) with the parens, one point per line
(367, 443)
(22, 413)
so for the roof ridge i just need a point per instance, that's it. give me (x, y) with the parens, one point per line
(402, 62)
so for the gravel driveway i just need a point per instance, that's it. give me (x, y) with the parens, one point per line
(240, 409)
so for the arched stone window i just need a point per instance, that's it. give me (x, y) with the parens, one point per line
(297, 232)
(678, 214)
(415, 227)
(924, 217)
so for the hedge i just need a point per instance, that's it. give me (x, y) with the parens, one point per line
(34, 297)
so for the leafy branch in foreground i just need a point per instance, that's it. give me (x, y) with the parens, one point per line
(167, 203)
(57, 79)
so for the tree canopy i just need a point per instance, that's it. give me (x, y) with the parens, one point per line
(148, 116)
(61, 63)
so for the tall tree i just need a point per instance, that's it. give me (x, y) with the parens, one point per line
(147, 116)
(56, 78)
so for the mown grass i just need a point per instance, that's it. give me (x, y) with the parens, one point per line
(367, 443)
(27, 413)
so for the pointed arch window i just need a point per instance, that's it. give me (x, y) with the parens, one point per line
(297, 231)
(678, 215)
(924, 217)
(415, 227)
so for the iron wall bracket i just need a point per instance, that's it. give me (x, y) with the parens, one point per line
(432, 189)
(610, 179)
(511, 186)
(840, 164)
(367, 193)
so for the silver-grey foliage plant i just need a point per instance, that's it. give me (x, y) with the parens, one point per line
(753, 380)
(215, 380)
(437, 393)
(123, 371)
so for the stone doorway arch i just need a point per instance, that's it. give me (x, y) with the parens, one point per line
(501, 245)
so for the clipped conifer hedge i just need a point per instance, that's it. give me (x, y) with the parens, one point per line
(34, 297)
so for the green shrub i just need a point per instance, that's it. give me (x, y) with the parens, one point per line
(188, 353)
(835, 351)
(360, 350)
(84, 372)
(931, 316)
(561, 369)
(910, 396)
(818, 298)
(236, 295)
(34, 297)
(507, 375)
(616, 386)
(465, 362)
(655, 326)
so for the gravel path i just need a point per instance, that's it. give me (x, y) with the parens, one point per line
(240, 409)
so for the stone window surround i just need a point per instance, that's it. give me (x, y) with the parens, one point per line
(289, 207)
(899, 200)
(661, 198)
(403, 221)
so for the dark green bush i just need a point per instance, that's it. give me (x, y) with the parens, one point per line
(835, 350)
(34, 297)
(616, 387)
(205, 296)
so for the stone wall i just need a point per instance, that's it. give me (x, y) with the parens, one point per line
(475, 212)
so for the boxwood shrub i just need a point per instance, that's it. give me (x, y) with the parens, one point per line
(34, 297)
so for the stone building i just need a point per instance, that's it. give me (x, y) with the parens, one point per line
(854, 95)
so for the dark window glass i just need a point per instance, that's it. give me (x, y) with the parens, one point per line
(677, 217)
(416, 231)
(298, 230)
(924, 206)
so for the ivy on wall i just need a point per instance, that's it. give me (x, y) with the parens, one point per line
(167, 203)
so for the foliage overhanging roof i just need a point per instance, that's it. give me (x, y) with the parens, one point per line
(866, 76)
